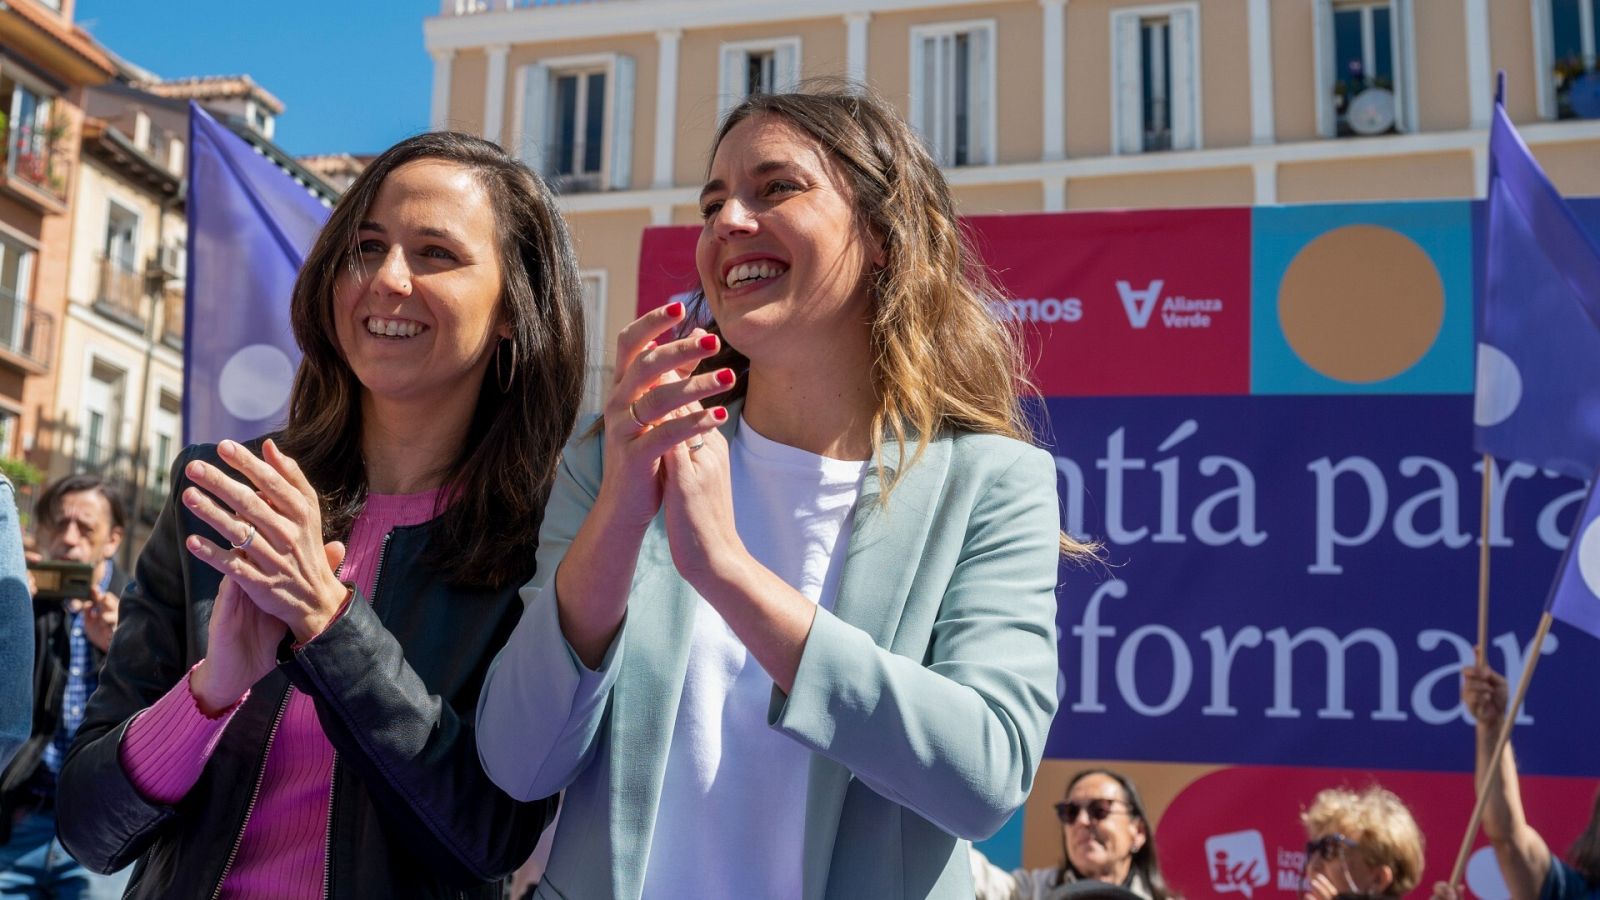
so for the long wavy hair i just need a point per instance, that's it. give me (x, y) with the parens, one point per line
(944, 360)
(494, 491)
(1145, 863)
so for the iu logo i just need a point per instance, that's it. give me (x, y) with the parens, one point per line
(1139, 304)
(1237, 862)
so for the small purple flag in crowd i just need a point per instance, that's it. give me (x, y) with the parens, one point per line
(1538, 384)
(1575, 596)
(250, 225)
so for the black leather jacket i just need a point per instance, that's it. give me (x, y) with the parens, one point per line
(395, 684)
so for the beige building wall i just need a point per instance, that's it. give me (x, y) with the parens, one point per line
(1443, 159)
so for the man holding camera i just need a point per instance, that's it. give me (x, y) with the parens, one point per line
(80, 525)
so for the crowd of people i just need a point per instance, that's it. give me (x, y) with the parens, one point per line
(780, 623)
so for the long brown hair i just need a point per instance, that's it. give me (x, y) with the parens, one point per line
(943, 359)
(1585, 853)
(497, 484)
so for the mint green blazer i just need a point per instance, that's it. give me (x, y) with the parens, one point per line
(924, 696)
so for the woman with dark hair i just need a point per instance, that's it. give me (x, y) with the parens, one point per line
(1531, 871)
(1105, 837)
(287, 709)
(801, 640)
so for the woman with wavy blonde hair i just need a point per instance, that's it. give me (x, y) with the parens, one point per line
(1360, 843)
(752, 671)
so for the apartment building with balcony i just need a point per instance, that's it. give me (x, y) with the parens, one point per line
(46, 65)
(119, 397)
(1032, 105)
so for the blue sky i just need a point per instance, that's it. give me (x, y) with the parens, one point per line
(352, 74)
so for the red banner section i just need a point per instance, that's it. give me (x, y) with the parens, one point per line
(1112, 303)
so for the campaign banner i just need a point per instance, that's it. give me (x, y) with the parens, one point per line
(1266, 417)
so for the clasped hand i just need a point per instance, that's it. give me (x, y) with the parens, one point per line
(662, 445)
(278, 574)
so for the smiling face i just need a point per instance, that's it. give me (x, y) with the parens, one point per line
(418, 316)
(1102, 849)
(781, 257)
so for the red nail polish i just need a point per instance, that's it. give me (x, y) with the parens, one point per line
(674, 310)
(725, 377)
(720, 414)
(709, 342)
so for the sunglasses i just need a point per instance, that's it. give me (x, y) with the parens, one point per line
(1330, 847)
(1098, 809)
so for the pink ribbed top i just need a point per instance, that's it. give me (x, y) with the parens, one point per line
(283, 852)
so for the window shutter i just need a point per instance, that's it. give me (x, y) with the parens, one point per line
(1129, 85)
(730, 89)
(924, 92)
(980, 78)
(1185, 79)
(1402, 47)
(535, 106)
(1322, 59)
(622, 123)
(786, 63)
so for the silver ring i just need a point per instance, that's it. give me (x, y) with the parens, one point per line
(249, 536)
(634, 415)
(696, 445)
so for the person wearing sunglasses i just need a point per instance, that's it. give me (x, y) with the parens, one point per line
(1360, 843)
(1104, 838)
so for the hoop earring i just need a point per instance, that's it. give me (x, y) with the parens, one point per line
(501, 379)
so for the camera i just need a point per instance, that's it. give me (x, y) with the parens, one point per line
(56, 580)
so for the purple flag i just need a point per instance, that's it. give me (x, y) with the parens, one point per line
(1538, 383)
(1575, 596)
(250, 225)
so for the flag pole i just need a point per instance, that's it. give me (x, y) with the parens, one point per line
(1483, 562)
(1501, 740)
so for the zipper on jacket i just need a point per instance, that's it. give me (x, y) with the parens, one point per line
(327, 857)
(333, 772)
(255, 792)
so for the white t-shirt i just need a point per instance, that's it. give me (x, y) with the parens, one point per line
(731, 822)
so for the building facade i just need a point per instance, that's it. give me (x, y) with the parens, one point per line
(118, 403)
(46, 65)
(1032, 105)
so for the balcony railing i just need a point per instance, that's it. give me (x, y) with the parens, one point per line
(25, 331)
(121, 290)
(172, 316)
(31, 157)
(473, 7)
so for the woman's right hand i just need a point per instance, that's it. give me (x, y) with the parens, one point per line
(1483, 691)
(241, 645)
(654, 405)
(241, 648)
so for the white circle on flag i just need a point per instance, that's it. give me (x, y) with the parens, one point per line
(1499, 387)
(1589, 557)
(1483, 876)
(256, 381)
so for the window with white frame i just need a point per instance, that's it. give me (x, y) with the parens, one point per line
(164, 431)
(30, 141)
(576, 121)
(757, 67)
(16, 277)
(598, 375)
(953, 91)
(1155, 61)
(1364, 50)
(1571, 31)
(99, 428)
(122, 237)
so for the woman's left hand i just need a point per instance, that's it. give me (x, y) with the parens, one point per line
(277, 555)
(698, 498)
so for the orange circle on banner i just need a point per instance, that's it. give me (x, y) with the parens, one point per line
(1361, 303)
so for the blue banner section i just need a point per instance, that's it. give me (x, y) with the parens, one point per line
(1295, 579)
